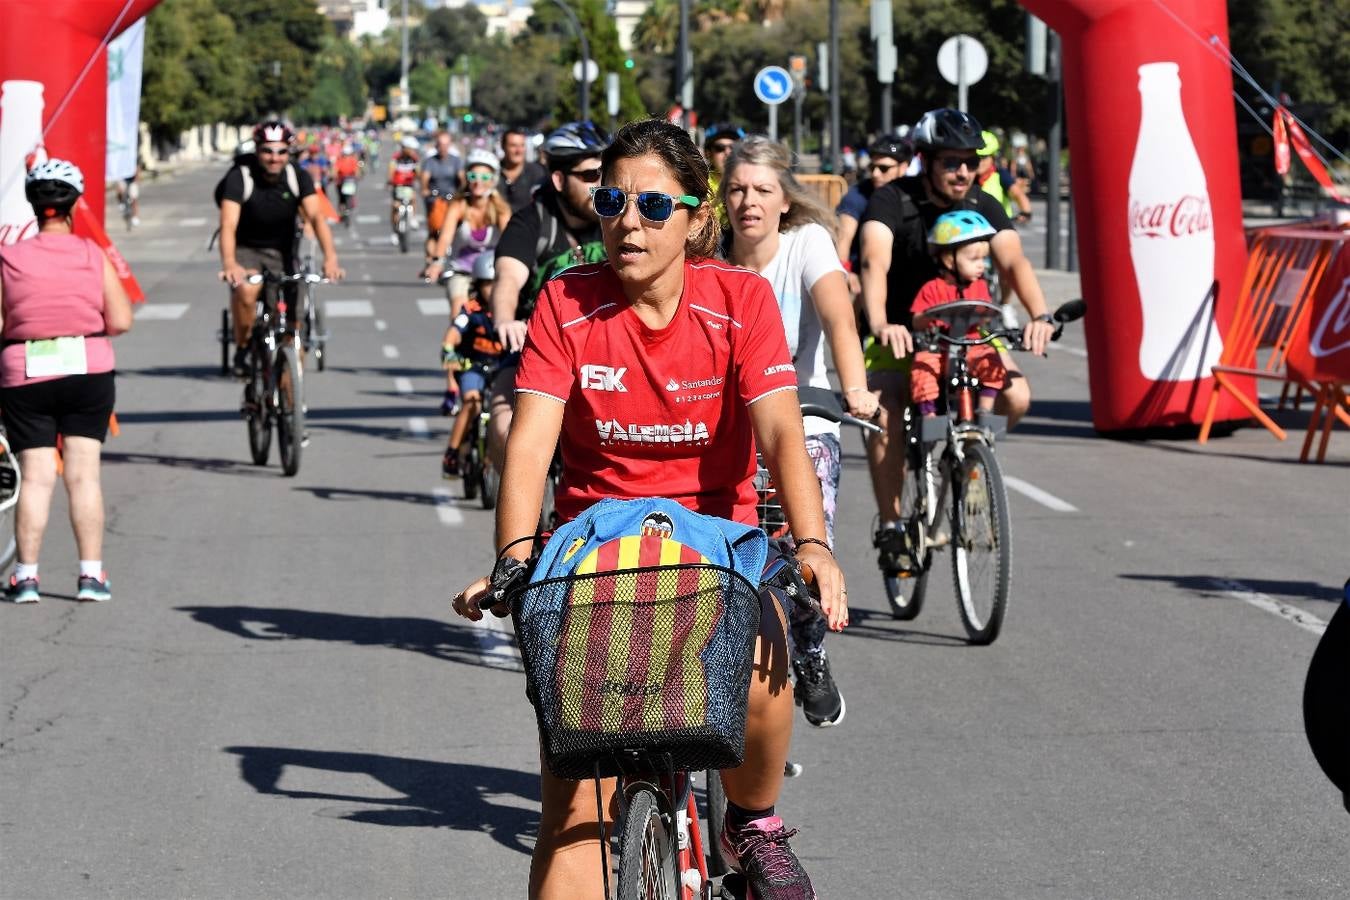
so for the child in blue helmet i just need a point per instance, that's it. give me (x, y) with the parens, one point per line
(959, 244)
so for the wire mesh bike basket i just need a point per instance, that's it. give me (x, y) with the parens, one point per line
(654, 659)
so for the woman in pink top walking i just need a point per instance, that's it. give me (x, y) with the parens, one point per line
(60, 302)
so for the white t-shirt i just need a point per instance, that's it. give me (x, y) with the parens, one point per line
(805, 254)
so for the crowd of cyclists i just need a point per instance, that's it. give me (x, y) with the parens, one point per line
(616, 278)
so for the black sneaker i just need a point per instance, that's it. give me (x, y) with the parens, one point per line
(450, 464)
(241, 362)
(816, 692)
(760, 850)
(893, 554)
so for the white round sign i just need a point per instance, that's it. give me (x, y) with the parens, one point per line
(971, 55)
(592, 70)
(773, 85)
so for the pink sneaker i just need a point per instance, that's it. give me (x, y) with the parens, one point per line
(760, 851)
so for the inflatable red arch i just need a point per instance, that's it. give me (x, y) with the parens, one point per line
(1151, 122)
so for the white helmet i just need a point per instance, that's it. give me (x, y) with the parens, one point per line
(411, 143)
(57, 170)
(482, 158)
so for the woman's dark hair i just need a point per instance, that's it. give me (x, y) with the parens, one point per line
(673, 146)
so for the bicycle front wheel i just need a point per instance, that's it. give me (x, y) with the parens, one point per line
(318, 335)
(717, 818)
(256, 399)
(647, 851)
(981, 544)
(290, 410)
(905, 591)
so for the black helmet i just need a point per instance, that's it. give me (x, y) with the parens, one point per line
(272, 132)
(947, 129)
(892, 145)
(54, 184)
(722, 131)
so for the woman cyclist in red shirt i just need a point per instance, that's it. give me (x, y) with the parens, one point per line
(661, 371)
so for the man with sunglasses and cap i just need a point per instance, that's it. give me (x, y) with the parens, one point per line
(718, 140)
(260, 199)
(895, 265)
(556, 231)
(886, 161)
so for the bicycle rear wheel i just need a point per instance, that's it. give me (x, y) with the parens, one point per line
(403, 234)
(257, 397)
(981, 544)
(290, 410)
(487, 495)
(226, 341)
(647, 851)
(717, 817)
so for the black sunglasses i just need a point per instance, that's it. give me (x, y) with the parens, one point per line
(954, 163)
(586, 175)
(274, 151)
(654, 206)
(722, 146)
(883, 168)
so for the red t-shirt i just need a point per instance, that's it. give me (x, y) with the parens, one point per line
(658, 413)
(939, 290)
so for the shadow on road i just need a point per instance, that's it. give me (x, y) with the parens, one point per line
(201, 464)
(1203, 584)
(434, 794)
(206, 373)
(877, 626)
(330, 493)
(461, 643)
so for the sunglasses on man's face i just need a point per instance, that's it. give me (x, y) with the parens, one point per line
(587, 175)
(274, 151)
(654, 206)
(881, 168)
(480, 176)
(723, 146)
(954, 163)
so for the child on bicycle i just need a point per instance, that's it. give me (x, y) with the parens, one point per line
(470, 349)
(959, 244)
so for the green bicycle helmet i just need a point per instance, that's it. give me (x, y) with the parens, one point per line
(955, 229)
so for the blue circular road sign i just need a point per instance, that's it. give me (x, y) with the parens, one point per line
(773, 85)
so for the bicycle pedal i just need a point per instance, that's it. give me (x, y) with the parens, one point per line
(734, 887)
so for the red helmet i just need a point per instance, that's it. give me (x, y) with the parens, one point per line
(272, 131)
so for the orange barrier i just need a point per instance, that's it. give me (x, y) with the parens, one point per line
(1286, 269)
(829, 188)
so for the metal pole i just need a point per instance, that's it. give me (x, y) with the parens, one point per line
(585, 89)
(682, 66)
(886, 108)
(1054, 142)
(961, 74)
(403, 62)
(1071, 254)
(834, 87)
(773, 121)
(797, 97)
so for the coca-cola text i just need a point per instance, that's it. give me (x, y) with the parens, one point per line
(12, 233)
(1188, 215)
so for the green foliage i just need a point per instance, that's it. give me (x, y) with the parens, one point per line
(429, 84)
(517, 83)
(283, 39)
(340, 89)
(603, 38)
(193, 72)
(446, 34)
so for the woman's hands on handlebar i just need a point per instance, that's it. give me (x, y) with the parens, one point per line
(1037, 335)
(822, 574)
(468, 603)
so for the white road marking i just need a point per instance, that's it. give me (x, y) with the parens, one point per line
(191, 223)
(148, 311)
(390, 351)
(348, 309)
(381, 324)
(417, 427)
(403, 385)
(366, 277)
(162, 242)
(434, 306)
(1290, 613)
(1044, 498)
(370, 289)
(446, 510)
(497, 643)
(367, 219)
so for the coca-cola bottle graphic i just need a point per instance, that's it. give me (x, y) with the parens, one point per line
(21, 106)
(1171, 236)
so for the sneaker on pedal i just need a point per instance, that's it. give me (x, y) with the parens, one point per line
(816, 692)
(450, 464)
(94, 590)
(25, 591)
(892, 552)
(241, 362)
(450, 404)
(760, 851)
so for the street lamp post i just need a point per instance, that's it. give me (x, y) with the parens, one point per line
(834, 87)
(682, 93)
(585, 57)
(403, 63)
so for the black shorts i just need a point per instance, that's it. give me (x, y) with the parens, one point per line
(74, 406)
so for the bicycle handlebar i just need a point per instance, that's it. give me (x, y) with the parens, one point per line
(826, 404)
(272, 278)
(1068, 312)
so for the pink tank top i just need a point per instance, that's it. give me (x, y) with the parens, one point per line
(53, 287)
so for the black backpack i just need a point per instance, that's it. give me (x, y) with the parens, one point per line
(245, 166)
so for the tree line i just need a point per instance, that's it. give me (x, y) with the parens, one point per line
(240, 60)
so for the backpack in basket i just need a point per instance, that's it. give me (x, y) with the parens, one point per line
(637, 632)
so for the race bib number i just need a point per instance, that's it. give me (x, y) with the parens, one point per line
(404, 193)
(348, 188)
(58, 356)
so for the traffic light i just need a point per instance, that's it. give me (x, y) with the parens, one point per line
(628, 63)
(468, 118)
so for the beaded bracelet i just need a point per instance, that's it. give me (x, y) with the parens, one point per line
(797, 544)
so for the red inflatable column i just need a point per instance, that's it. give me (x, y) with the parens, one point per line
(1157, 201)
(43, 49)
